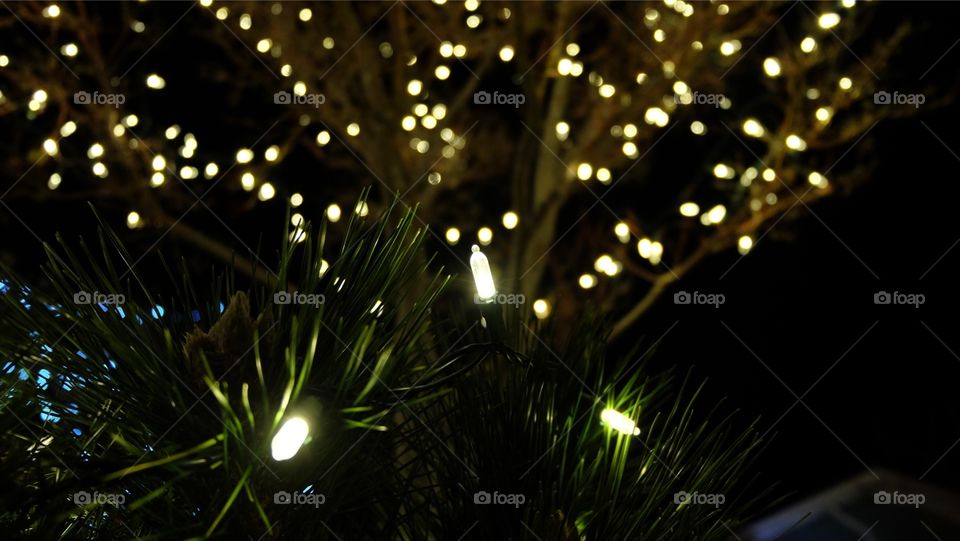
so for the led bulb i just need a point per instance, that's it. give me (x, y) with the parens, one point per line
(289, 438)
(486, 291)
(619, 422)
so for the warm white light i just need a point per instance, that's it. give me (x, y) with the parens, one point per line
(794, 142)
(133, 219)
(510, 220)
(541, 308)
(689, 209)
(296, 200)
(485, 235)
(603, 175)
(727, 48)
(622, 231)
(159, 162)
(334, 212)
(771, 66)
(630, 149)
(69, 49)
(130, 121)
(442, 72)
(817, 180)
(619, 422)
(414, 87)
(244, 155)
(607, 90)
(155, 82)
(362, 209)
(587, 281)
(824, 114)
(353, 129)
(769, 175)
(482, 276)
(584, 171)
(306, 14)
(452, 235)
(266, 192)
(753, 128)
(697, 127)
(723, 171)
(288, 440)
(828, 20)
(100, 169)
(247, 181)
(808, 44)
(717, 214)
(68, 128)
(156, 180)
(845, 83)
(54, 181)
(211, 170)
(506, 53)
(744, 244)
(323, 138)
(50, 147)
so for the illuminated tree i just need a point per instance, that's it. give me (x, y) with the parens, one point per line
(643, 137)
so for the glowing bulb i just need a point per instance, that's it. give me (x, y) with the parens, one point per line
(323, 138)
(828, 20)
(794, 142)
(296, 200)
(334, 212)
(723, 171)
(156, 180)
(644, 248)
(485, 235)
(753, 128)
(442, 73)
(51, 12)
(67, 129)
(587, 281)
(619, 422)
(697, 127)
(563, 129)
(584, 171)
(272, 153)
(845, 83)
(727, 48)
(506, 53)
(689, 209)
(771, 66)
(362, 209)
(266, 192)
(482, 276)
(288, 440)
(607, 90)
(541, 308)
(155, 82)
(54, 181)
(50, 147)
(510, 220)
(172, 132)
(353, 129)
(130, 121)
(824, 114)
(159, 162)
(452, 235)
(306, 14)
(769, 175)
(247, 181)
(744, 244)
(414, 87)
(133, 219)
(244, 155)
(603, 175)
(211, 170)
(817, 180)
(808, 44)
(622, 231)
(630, 131)
(717, 214)
(70, 49)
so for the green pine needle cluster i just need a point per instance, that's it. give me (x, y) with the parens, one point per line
(162, 418)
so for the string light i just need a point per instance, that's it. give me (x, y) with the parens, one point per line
(510, 220)
(619, 422)
(603, 175)
(808, 44)
(266, 192)
(541, 308)
(584, 171)
(54, 181)
(689, 209)
(828, 20)
(622, 231)
(453, 236)
(482, 276)
(753, 128)
(210, 170)
(50, 147)
(289, 439)
(722, 170)
(155, 82)
(771, 66)
(587, 281)
(845, 83)
(506, 53)
(334, 212)
(744, 244)
(247, 181)
(795, 142)
(133, 220)
(485, 235)
(69, 49)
